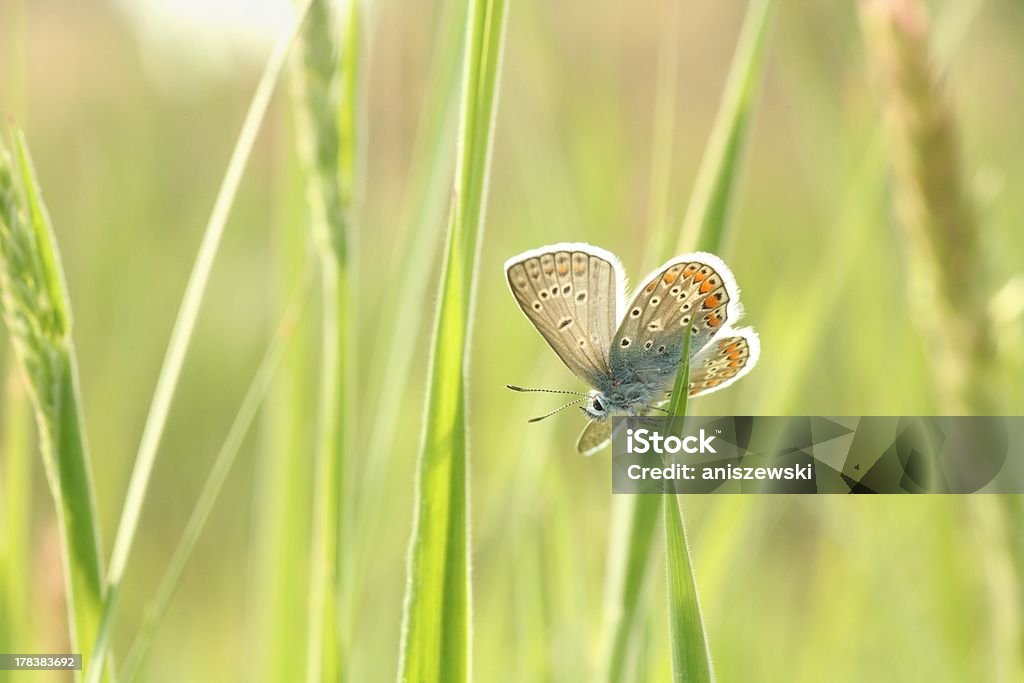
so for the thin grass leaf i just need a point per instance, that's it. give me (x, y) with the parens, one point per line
(704, 227)
(280, 500)
(222, 465)
(38, 319)
(680, 389)
(624, 599)
(707, 215)
(691, 657)
(328, 113)
(663, 129)
(181, 335)
(424, 214)
(436, 620)
(636, 518)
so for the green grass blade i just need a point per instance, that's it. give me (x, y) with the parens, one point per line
(424, 214)
(184, 325)
(680, 389)
(328, 115)
(704, 228)
(281, 533)
(38, 319)
(663, 128)
(626, 582)
(707, 214)
(222, 465)
(691, 658)
(436, 621)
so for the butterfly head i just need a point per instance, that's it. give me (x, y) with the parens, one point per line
(597, 406)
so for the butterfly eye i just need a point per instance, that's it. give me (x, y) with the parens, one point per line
(597, 405)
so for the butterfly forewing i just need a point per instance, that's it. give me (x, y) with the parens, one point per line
(570, 294)
(695, 292)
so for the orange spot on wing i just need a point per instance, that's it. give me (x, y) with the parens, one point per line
(714, 320)
(711, 302)
(732, 347)
(563, 269)
(669, 278)
(736, 364)
(689, 270)
(705, 286)
(650, 287)
(698, 277)
(735, 355)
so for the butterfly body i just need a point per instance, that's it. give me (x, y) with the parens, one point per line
(628, 395)
(574, 294)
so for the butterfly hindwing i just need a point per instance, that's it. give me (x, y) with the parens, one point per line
(594, 437)
(692, 291)
(724, 361)
(570, 292)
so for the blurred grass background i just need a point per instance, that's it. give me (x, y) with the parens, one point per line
(131, 110)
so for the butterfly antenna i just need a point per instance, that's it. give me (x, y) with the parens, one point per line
(513, 387)
(571, 403)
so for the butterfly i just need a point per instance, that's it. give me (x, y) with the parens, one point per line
(574, 294)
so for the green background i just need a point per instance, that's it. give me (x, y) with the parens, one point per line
(131, 133)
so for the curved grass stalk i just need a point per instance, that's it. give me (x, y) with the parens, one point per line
(688, 643)
(704, 227)
(707, 215)
(181, 335)
(222, 465)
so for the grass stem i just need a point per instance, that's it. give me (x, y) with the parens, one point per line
(328, 112)
(222, 465)
(184, 326)
(707, 215)
(436, 625)
(704, 227)
(38, 318)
